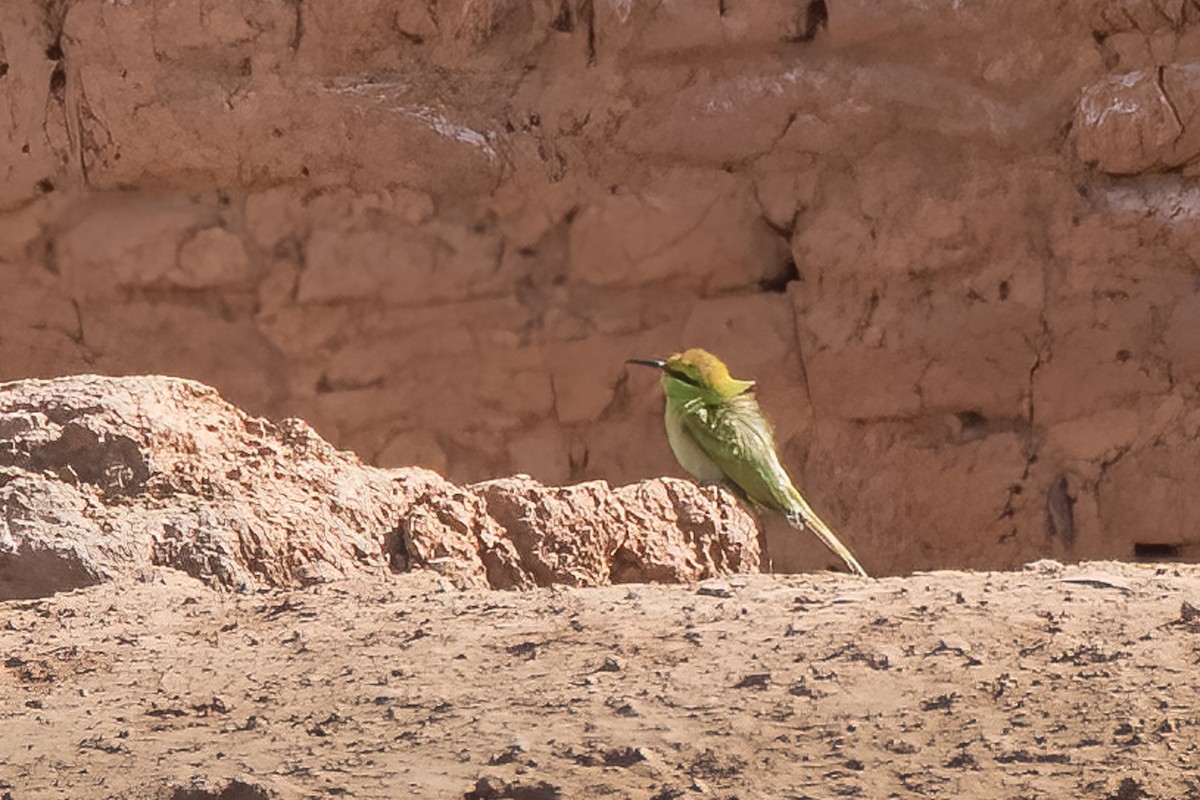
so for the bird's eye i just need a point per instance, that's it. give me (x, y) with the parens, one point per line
(682, 376)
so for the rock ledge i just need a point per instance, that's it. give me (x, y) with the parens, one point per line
(103, 477)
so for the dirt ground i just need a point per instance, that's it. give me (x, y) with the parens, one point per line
(1049, 682)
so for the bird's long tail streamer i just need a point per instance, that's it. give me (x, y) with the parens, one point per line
(801, 515)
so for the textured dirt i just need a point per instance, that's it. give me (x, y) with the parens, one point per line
(1050, 682)
(955, 242)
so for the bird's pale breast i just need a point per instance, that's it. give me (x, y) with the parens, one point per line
(688, 453)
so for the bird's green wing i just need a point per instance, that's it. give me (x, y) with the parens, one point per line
(739, 440)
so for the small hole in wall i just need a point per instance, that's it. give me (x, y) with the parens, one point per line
(564, 21)
(778, 282)
(816, 17)
(974, 424)
(58, 80)
(1124, 355)
(1155, 551)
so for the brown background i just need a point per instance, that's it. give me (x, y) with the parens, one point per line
(956, 244)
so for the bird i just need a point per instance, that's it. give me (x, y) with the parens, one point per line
(720, 435)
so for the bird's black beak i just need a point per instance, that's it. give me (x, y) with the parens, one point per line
(657, 363)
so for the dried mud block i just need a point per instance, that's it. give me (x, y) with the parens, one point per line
(1141, 121)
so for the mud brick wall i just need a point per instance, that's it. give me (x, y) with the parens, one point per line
(956, 243)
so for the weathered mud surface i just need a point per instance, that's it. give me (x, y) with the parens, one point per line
(1050, 682)
(955, 242)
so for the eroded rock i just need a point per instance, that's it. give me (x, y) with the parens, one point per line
(1139, 121)
(102, 477)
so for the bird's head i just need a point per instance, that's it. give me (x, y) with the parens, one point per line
(698, 368)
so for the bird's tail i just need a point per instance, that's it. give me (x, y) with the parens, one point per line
(801, 515)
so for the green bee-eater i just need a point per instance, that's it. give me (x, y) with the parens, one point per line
(720, 435)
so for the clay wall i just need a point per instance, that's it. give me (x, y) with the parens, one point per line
(955, 242)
